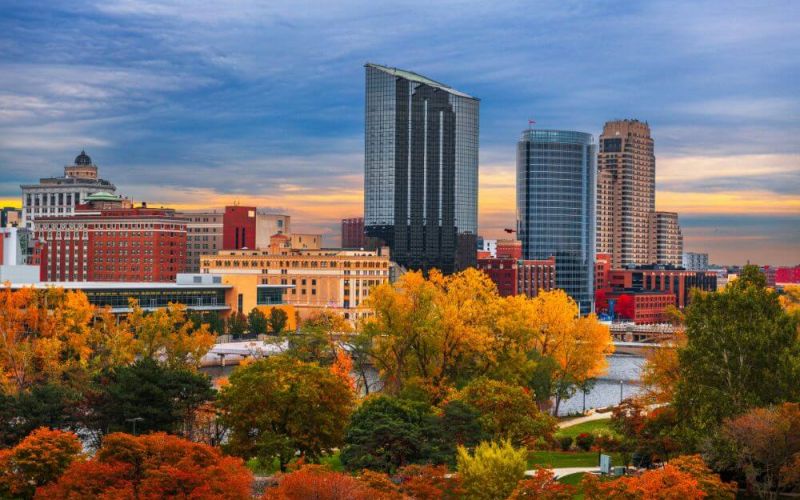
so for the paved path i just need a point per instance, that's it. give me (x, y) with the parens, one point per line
(587, 418)
(566, 471)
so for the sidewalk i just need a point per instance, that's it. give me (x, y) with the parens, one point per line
(580, 420)
(565, 471)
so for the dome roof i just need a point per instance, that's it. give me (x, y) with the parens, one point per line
(102, 196)
(83, 159)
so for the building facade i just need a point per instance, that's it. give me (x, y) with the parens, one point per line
(534, 276)
(102, 241)
(267, 224)
(239, 228)
(421, 169)
(203, 235)
(666, 240)
(695, 261)
(334, 280)
(678, 282)
(626, 192)
(556, 188)
(59, 196)
(353, 233)
(10, 217)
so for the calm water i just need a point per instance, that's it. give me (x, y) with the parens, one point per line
(606, 391)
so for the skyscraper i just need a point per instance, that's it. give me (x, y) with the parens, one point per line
(626, 195)
(556, 189)
(666, 240)
(421, 169)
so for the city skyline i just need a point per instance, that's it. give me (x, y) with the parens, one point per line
(192, 107)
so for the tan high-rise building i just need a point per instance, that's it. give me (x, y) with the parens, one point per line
(666, 240)
(626, 180)
(203, 235)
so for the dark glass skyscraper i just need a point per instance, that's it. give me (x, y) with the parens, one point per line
(421, 169)
(556, 191)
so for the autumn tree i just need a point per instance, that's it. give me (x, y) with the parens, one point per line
(543, 486)
(278, 406)
(625, 307)
(153, 466)
(507, 411)
(236, 324)
(685, 477)
(661, 371)
(741, 352)
(167, 336)
(429, 482)
(492, 471)
(319, 483)
(37, 460)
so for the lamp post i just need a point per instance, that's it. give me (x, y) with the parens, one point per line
(620, 392)
(133, 421)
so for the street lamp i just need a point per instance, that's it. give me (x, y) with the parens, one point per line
(133, 421)
(620, 392)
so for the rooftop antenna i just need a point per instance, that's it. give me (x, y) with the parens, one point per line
(531, 123)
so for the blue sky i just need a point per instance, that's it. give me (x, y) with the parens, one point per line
(198, 103)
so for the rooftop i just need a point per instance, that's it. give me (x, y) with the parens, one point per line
(415, 77)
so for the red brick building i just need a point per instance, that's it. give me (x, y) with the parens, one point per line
(353, 235)
(239, 228)
(787, 274)
(602, 269)
(102, 243)
(648, 307)
(510, 249)
(678, 282)
(519, 276)
(503, 272)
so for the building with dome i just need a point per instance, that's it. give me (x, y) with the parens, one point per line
(58, 196)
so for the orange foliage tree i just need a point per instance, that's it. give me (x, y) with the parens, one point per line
(429, 482)
(319, 483)
(684, 477)
(37, 460)
(152, 466)
(543, 486)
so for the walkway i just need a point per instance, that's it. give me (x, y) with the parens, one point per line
(566, 471)
(579, 420)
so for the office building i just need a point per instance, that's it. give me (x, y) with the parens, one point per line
(104, 240)
(662, 279)
(239, 228)
(203, 235)
(330, 280)
(421, 169)
(58, 196)
(10, 217)
(489, 246)
(515, 276)
(695, 261)
(353, 233)
(626, 177)
(268, 224)
(666, 240)
(556, 207)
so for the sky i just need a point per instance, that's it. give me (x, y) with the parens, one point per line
(195, 103)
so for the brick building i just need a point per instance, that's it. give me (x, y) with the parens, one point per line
(787, 275)
(353, 235)
(675, 281)
(648, 307)
(519, 276)
(104, 241)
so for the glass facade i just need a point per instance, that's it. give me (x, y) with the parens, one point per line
(556, 206)
(421, 169)
(192, 298)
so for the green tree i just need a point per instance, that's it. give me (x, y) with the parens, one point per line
(741, 352)
(493, 471)
(277, 320)
(237, 324)
(508, 411)
(257, 322)
(280, 405)
(386, 433)
(43, 405)
(165, 399)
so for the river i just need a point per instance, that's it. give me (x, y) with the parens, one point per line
(606, 391)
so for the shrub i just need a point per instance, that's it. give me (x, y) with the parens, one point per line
(584, 441)
(493, 471)
(607, 442)
(565, 442)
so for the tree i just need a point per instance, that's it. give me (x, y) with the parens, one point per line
(153, 466)
(42, 405)
(601, 299)
(625, 307)
(650, 436)
(319, 483)
(386, 433)
(661, 371)
(277, 320)
(493, 471)
(37, 460)
(741, 352)
(461, 422)
(256, 322)
(507, 411)
(164, 398)
(685, 477)
(168, 336)
(429, 482)
(543, 486)
(279, 405)
(761, 446)
(237, 324)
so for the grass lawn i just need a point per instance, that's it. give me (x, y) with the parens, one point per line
(591, 427)
(561, 459)
(260, 468)
(572, 479)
